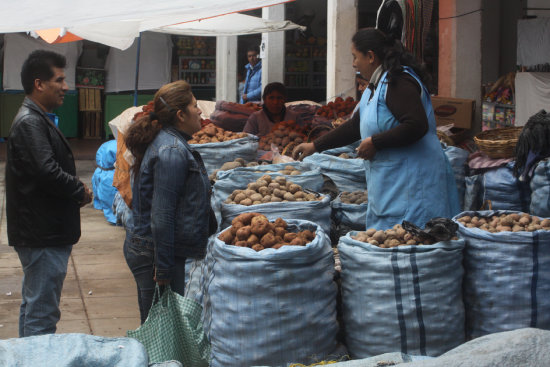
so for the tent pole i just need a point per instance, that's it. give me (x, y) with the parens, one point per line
(137, 70)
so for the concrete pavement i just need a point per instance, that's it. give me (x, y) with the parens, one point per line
(99, 293)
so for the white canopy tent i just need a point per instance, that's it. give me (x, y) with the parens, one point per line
(118, 23)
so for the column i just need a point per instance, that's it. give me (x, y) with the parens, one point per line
(273, 48)
(341, 26)
(226, 68)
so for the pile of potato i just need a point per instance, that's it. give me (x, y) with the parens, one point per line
(238, 162)
(355, 197)
(255, 231)
(514, 222)
(283, 134)
(268, 190)
(397, 236)
(338, 108)
(213, 134)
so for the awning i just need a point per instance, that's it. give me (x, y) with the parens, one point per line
(116, 23)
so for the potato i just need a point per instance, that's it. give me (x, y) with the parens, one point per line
(289, 236)
(257, 247)
(308, 234)
(252, 240)
(275, 199)
(300, 195)
(280, 180)
(545, 223)
(259, 225)
(256, 197)
(278, 246)
(311, 197)
(410, 242)
(241, 244)
(288, 196)
(239, 197)
(266, 178)
(297, 242)
(268, 240)
(264, 191)
(249, 192)
(260, 182)
(379, 236)
(266, 199)
(293, 188)
(465, 219)
(246, 202)
(235, 227)
(279, 193)
(245, 218)
(280, 222)
(370, 232)
(524, 221)
(253, 186)
(280, 232)
(373, 242)
(295, 172)
(226, 236)
(229, 165)
(243, 233)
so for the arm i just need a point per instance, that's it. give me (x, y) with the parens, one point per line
(347, 133)
(37, 160)
(413, 123)
(170, 175)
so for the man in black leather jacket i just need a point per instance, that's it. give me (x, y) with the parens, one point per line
(43, 195)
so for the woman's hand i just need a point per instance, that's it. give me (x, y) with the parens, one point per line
(161, 281)
(366, 149)
(303, 150)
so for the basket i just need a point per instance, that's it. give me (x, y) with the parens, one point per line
(498, 143)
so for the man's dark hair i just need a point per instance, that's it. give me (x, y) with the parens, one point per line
(254, 48)
(274, 87)
(39, 65)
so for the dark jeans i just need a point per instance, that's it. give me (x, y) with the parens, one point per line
(141, 262)
(44, 270)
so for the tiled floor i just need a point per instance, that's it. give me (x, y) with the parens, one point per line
(99, 293)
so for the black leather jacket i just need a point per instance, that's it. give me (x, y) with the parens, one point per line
(42, 191)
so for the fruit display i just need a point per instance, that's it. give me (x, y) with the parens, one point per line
(338, 108)
(213, 134)
(355, 197)
(271, 190)
(283, 134)
(515, 222)
(396, 236)
(255, 231)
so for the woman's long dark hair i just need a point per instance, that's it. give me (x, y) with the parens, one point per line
(167, 101)
(391, 53)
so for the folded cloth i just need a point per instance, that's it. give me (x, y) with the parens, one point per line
(480, 161)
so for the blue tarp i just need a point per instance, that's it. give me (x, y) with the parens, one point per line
(102, 180)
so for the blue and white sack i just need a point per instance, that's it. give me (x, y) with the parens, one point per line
(353, 216)
(102, 180)
(404, 299)
(239, 178)
(271, 307)
(504, 190)
(458, 157)
(214, 155)
(347, 174)
(507, 278)
(315, 211)
(540, 190)
(473, 194)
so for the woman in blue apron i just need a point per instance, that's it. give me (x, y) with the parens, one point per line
(408, 175)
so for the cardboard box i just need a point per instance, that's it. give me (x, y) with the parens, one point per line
(456, 111)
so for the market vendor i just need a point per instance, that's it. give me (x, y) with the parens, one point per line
(273, 110)
(408, 175)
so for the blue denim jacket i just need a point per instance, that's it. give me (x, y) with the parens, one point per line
(253, 83)
(171, 202)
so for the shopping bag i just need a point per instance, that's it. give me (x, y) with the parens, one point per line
(173, 330)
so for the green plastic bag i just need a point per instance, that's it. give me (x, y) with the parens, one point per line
(173, 330)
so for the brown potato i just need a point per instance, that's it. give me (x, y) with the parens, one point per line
(280, 231)
(289, 236)
(235, 227)
(288, 196)
(297, 242)
(245, 218)
(259, 225)
(278, 246)
(280, 222)
(246, 202)
(243, 233)
(257, 247)
(226, 236)
(252, 240)
(241, 244)
(266, 178)
(268, 240)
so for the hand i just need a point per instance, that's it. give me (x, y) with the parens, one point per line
(303, 150)
(245, 97)
(161, 281)
(366, 149)
(88, 196)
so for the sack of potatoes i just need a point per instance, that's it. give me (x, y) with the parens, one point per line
(354, 197)
(271, 190)
(254, 230)
(213, 134)
(393, 237)
(503, 222)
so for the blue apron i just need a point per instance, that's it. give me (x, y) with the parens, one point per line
(413, 183)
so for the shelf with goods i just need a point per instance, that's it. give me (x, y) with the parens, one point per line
(197, 60)
(305, 66)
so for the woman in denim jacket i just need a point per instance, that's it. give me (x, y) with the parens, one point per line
(170, 194)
